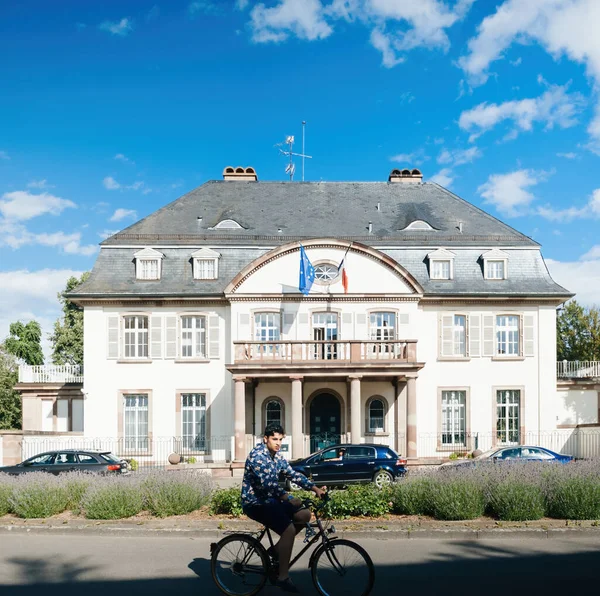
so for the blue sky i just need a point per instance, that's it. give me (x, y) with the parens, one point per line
(109, 110)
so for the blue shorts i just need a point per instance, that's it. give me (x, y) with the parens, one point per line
(277, 516)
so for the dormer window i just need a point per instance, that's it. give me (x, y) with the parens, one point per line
(441, 264)
(205, 263)
(227, 224)
(495, 264)
(148, 264)
(418, 224)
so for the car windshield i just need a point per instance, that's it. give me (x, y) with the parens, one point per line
(110, 457)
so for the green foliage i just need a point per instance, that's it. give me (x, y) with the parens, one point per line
(6, 487)
(76, 484)
(67, 339)
(227, 501)
(113, 498)
(514, 500)
(24, 342)
(38, 495)
(453, 456)
(176, 493)
(358, 501)
(133, 464)
(578, 332)
(10, 400)
(412, 496)
(574, 498)
(191, 460)
(456, 500)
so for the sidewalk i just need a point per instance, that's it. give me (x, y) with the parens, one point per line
(384, 529)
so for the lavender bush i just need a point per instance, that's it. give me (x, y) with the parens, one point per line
(38, 495)
(457, 499)
(176, 493)
(515, 500)
(76, 484)
(6, 486)
(412, 496)
(113, 497)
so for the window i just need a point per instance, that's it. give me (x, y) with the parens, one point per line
(136, 336)
(135, 418)
(507, 335)
(383, 326)
(87, 459)
(193, 336)
(454, 418)
(267, 329)
(326, 273)
(376, 416)
(205, 268)
(507, 416)
(360, 453)
(495, 269)
(193, 421)
(459, 335)
(41, 460)
(441, 270)
(148, 269)
(273, 412)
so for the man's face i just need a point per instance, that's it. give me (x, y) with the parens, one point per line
(274, 442)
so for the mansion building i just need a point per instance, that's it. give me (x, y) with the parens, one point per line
(442, 338)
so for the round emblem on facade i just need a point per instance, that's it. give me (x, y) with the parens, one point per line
(326, 273)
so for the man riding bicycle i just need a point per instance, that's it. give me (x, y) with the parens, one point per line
(264, 501)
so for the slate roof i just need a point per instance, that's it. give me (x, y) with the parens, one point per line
(317, 210)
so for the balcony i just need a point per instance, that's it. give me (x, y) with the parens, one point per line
(578, 369)
(324, 353)
(64, 373)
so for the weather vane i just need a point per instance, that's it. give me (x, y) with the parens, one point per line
(291, 166)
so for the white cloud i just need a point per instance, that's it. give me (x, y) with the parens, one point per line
(303, 18)
(136, 185)
(569, 155)
(459, 157)
(32, 295)
(21, 205)
(120, 214)
(39, 184)
(241, 4)
(382, 42)
(110, 183)
(590, 209)
(122, 27)
(416, 157)
(517, 62)
(592, 254)
(580, 277)
(554, 107)
(507, 192)
(124, 159)
(70, 243)
(4, 155)
(562, 27)
(443, 178)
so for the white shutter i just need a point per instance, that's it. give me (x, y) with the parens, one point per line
(347, 328)
(446, 335)
(488, 335)
(112, 351)
(155, 337)
(403, 318)
(288, 325)
(244, 327)
(527, 323)
(474, 331)
(360, 331)
(171, 336)
(213, 336)
(302, 328)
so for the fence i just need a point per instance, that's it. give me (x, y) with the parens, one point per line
(65, 373)
(147, 452)
(578, 369)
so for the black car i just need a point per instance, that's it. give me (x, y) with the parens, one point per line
(70, 460)
(351, 464)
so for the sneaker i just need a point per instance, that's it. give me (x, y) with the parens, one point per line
(287, 586)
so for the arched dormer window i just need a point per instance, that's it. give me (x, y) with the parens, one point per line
(227, 224)
(418, 224)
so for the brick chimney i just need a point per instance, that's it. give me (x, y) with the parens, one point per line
(406, 176)
(239, 173)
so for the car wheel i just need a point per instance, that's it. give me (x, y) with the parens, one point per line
(382, 479)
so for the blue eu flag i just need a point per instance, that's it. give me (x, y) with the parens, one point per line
(307, 272)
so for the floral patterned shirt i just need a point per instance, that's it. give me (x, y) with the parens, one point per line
(261, 477)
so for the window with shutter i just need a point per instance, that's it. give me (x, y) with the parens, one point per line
(508, 335)
(112, 351)
(192, 339)
(156, 337)
(171, 336)
(528, 335)
(474, 335)
(488, 335)
(214, 336)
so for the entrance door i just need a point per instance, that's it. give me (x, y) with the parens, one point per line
(325, 421)
(325, 328)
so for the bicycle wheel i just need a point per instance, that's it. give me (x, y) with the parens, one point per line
(343, 567)
(239, 565)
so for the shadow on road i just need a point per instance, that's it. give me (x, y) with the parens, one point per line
(471, 568)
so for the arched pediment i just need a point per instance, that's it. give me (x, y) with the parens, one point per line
(369, 271)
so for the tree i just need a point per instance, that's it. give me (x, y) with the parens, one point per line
(67, 339)
(24, 342)
(10, 400)
(578, 332)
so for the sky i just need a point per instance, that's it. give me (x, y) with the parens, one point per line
(110, 109)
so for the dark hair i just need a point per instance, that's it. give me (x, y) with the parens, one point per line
(271, 429)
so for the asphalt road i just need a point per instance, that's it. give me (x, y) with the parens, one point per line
(123, 566)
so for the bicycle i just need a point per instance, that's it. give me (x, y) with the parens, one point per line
(240, 564)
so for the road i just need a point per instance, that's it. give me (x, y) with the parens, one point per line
(66, 565)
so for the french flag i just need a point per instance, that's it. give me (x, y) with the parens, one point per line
(342, 270)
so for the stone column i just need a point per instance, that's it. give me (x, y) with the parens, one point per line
(411, 417)
(355, 409)
(297, 436)
(239, 417)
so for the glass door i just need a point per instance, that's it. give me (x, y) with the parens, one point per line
(325, 329)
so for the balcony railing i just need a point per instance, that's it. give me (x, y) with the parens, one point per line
(578, 369)
(64, 373)
(310, 351)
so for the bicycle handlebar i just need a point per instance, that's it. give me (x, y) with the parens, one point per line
(310, 504)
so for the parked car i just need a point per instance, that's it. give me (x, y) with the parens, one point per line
(70, 460)
(351, 464)
(514, 453)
